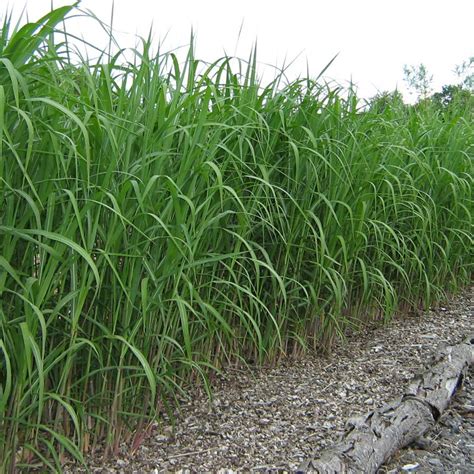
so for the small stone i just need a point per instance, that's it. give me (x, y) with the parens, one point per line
(435, 462)
(369, 401)
(411, 467)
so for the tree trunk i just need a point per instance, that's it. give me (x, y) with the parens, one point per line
(370, 440)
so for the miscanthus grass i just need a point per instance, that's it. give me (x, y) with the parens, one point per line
(160, 218)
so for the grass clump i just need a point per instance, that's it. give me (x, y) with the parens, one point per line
(158, 219)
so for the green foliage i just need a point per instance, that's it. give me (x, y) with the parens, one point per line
(158, 219)
(418, 80)
(386, 102)
(465, 72)
(454, 97)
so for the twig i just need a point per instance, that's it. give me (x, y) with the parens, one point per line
(190, 453)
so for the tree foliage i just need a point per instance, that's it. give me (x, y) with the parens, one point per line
(457, 96)
(465, 71)
(418, 80)
(450, 94)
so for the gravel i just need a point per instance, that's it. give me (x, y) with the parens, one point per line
(270, 419)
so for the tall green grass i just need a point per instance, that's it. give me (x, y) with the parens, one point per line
(160, 218)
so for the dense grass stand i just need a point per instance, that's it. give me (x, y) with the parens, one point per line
(160, 218)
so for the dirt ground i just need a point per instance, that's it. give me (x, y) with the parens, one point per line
(272, 419)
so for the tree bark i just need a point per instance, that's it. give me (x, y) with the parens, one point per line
(370, 440)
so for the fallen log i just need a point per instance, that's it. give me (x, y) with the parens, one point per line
(370, 440)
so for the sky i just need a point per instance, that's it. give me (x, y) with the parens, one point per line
(373, 39)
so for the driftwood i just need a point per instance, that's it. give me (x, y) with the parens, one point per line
(370, 440)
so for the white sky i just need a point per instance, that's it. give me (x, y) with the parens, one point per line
(374, 38)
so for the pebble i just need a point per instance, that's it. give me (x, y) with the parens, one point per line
(435, 462)
(410, 467)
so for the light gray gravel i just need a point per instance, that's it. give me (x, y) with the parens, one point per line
(274, 418)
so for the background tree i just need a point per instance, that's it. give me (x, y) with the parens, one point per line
(418, 80)
(465, 72)
(451, 93)
(452, 97)
(386, 101)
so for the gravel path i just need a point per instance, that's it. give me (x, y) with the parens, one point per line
(274, 418)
